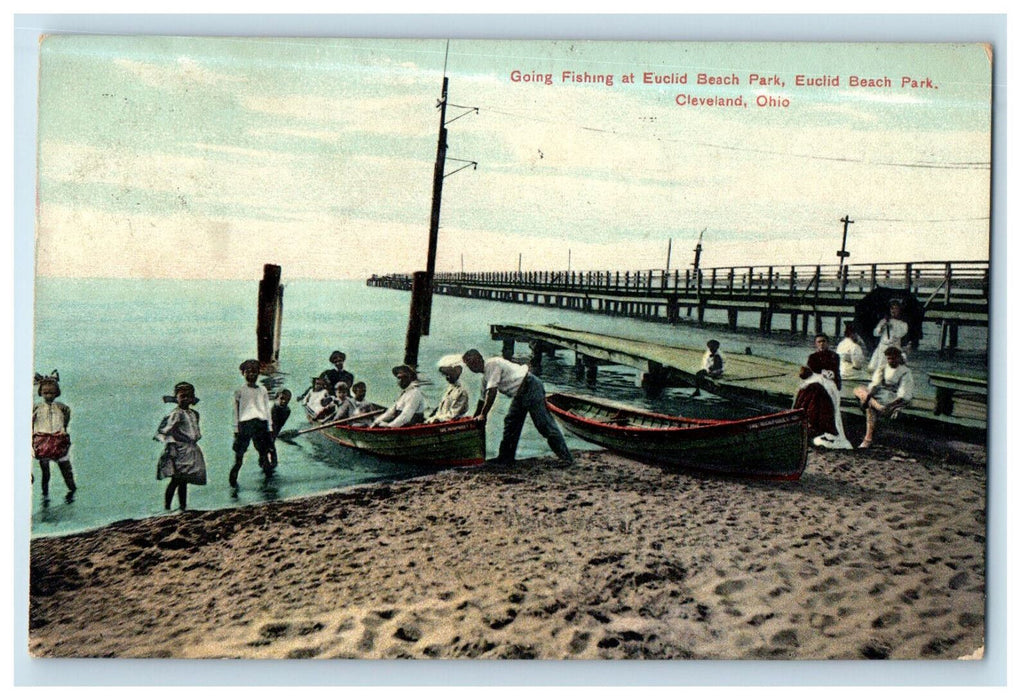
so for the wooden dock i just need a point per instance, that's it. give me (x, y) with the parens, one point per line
(759, 381)
(953, 294)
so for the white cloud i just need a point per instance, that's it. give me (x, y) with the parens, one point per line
(186, 71)
(304, 134)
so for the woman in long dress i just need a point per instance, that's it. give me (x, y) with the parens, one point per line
(818, 396)
(891, 331)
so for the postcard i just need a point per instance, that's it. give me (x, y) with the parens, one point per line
(510, 349)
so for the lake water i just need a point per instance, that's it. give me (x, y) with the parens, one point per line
(120, 345)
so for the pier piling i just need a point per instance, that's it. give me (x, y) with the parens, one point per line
(269, 318)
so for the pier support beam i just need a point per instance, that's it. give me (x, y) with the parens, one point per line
(536, 363)
(591, 371)
(508, 348)
(654, 379)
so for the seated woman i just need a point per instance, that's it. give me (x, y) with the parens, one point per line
(454, 402)
(818, 396)
(891, 388)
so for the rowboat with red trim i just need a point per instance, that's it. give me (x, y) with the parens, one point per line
(458, 443)
(764, 447)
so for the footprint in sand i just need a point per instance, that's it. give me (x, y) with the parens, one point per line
(958, 581)
(825, 585)
(876, 649)
(407, 633)
(786, 638)
(579, 643)
(730, 587)
(889, 619)
(500, 621)
(820, 621)
(367, 642)
(970, 620)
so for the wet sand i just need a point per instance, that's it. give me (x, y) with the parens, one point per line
(877, 554)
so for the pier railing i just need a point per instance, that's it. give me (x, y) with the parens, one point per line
(940, 281)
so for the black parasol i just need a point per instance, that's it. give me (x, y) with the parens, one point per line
(875, 306)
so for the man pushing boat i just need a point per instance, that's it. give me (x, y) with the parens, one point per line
(528, 398)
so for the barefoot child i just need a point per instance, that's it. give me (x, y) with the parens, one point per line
(279, 415)
(182, 461)
(252, 421)
(50, 439)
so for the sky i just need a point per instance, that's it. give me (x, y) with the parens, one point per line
(201, 157)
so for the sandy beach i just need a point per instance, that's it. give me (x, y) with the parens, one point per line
(877, 554)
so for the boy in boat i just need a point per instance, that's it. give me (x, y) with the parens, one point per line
(337, 374)
(410, 407)
(50, 440)
(360, 392)
(279, 415)
(252, 422)
(528, 398)
(454, 403)
(342, 405)
(315, 399)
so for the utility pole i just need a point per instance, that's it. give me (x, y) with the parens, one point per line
(519, 263)
(420, 317)
(699, 249)
(842, 253)
(667, 267)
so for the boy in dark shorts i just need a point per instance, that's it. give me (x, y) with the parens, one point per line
(252, 422)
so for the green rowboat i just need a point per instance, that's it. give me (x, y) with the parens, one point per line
(765, 447)
(458, 443)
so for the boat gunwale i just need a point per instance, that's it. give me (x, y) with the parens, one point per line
(691, 424)
(346, 436)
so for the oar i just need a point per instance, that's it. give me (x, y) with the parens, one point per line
(340, 422)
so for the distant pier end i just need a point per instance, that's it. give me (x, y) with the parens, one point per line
(269, 318)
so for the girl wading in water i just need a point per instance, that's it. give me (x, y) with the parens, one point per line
(50, 439)
(182, 461)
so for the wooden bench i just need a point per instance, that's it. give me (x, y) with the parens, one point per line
(947, 386)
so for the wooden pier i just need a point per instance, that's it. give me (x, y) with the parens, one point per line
(759, 381)
(811, 297)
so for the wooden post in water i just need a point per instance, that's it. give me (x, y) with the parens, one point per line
(419, 289)
(269, 318)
